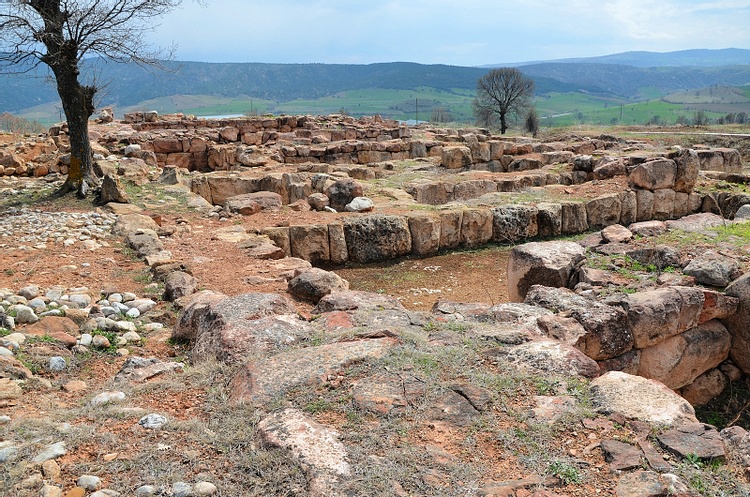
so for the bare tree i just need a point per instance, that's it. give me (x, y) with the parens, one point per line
(501, 94)
(60, 34)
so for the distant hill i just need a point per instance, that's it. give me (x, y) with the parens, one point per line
(127, 85)
(613, 80)
(682, 58)
(629, 81)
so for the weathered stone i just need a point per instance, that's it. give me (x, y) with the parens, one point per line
(656, 315)
(738, 323)
(648, 228)
(343, 192)
(653, 175)
(514, 223)
(713, 269)
(628, 207)
(549, 219)
(337, 243)
(547, 356)
(574, 218)
(351, 300)
(385, 393)
(663, 208)
(452, 408)
(604, 210)
(688, 165)
(639, 398)
(717, 306)
(314, 284)
(268, 379)
(318, 201)
(476, 227)
(609, 167)
(178, 284)
(62, 329)
(645, 201)
(649, 484)
(548, 409)
(425, 234)
(112, 191)
(456, 157)
(661, 256)
(315, 447)
(607, 331)
(705, 388)
(450, 229)
(616, 234)
(541, 263)
(360, 204)
(229, 322)
(679, 360)
(621, 456)
(310, 242)
(737, 442)
(696, 439)
(377, 238)
(144, 242)
(252, 203)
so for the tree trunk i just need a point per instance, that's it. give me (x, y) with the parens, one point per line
(78, 104)
(503, 123)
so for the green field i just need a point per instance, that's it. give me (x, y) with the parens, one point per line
(554, 109)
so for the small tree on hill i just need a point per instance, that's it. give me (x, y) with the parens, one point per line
(60, 34)
(531, 124)
(502, 94)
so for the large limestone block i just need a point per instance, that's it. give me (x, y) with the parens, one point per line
(688, 164)
(738, 324)
(425, 234)
(310, 243)
(607, 332)
(652, 175)
(337, 243)
(574, 218)
(664, 200)
(222, 186)
(656, 315)
(604, 211)
(514, 223)
(456, 157)
(645, 208)
(640, 398)
(377, 238)
(727, 160)
(549, 219)
(450, 229)
(542, 263)
(679, 360)
(476, 227)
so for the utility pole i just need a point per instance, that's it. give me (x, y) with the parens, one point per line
(416, 111)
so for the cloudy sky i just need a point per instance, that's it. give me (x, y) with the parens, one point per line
(455, 32)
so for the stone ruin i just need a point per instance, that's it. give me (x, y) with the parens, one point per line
(459, 188)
